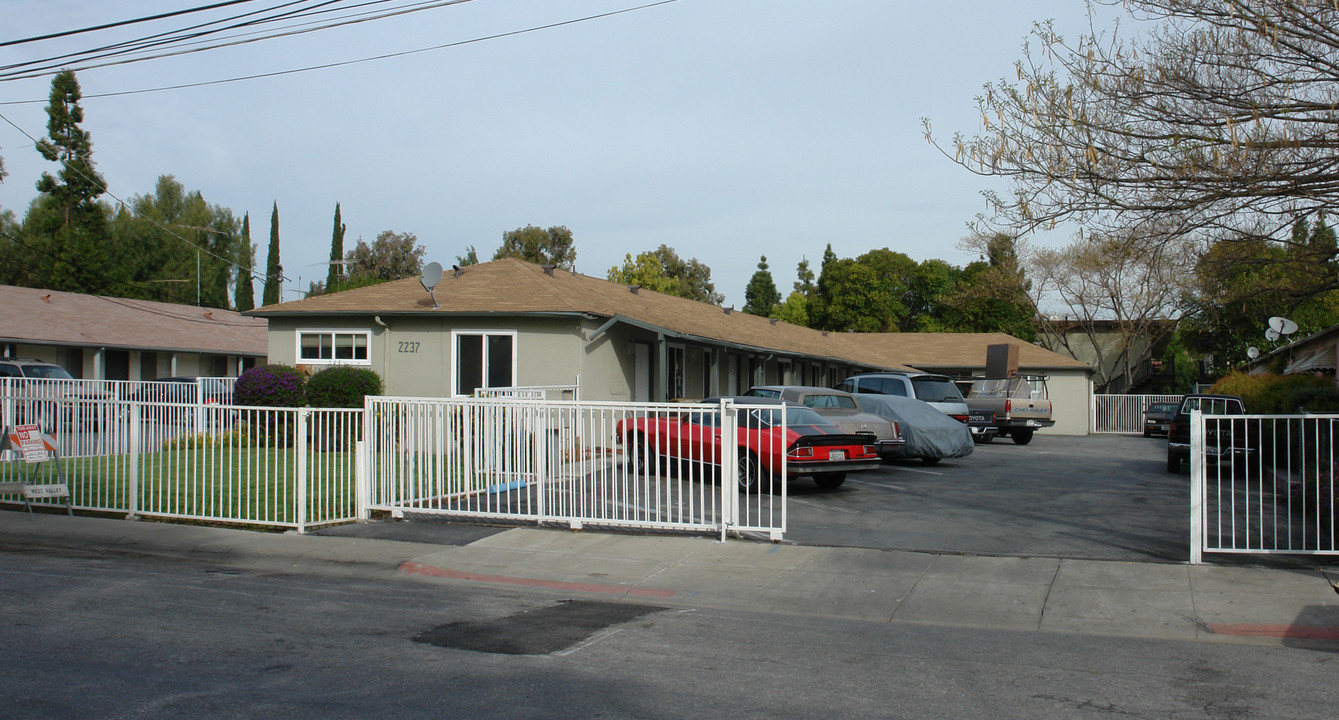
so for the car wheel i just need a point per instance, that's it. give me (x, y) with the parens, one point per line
(1021, 437)
(930, 460)
(637, 450)
(1173, 462)
(830, 481)
(750, 472)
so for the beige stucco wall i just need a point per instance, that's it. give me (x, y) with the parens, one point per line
(1071, 394)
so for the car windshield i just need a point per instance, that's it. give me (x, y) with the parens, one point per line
(50, 372)
(795, 415)
(936, 389)
(844, 402)
(763, 392)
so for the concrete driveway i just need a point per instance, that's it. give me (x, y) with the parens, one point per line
(1100, 497)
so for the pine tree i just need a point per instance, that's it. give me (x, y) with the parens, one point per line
(761, 294)
(273, 270)
(245, 293)
(336, 253)
(67, 218)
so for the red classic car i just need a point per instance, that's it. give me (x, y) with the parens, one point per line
(810, 444)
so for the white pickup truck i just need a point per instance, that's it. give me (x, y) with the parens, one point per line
(1019, 404)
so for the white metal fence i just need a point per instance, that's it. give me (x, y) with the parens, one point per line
(1263, 484)
(1123, 413)
(198, 460)
(615, 464)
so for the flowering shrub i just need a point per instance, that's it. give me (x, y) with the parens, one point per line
(270, 386)
(342, 387)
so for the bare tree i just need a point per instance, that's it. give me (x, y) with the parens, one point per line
(1215, 118)
(1116, 295)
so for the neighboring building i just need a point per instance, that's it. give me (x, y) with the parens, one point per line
(113, 338)
(1069, 382)
(1317, 354)
(1100, 344)
(509, 322)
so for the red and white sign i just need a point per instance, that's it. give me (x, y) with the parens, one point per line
(29, 440)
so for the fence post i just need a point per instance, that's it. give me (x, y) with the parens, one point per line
(362, 463)
(729, 467)
(301, 469)
(1196, 487)
(132, 482)
(541, 447)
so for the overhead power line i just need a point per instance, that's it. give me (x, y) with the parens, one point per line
(121, 23)
(325, 66)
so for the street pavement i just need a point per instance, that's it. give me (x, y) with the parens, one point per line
(1289, 602)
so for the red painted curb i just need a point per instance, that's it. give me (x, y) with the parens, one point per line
(414, 568)
(1295, 632)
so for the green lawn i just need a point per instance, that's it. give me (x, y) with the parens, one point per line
(244, 484)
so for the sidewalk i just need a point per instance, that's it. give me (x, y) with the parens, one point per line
(1150, 600)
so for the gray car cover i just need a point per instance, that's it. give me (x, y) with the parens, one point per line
(929, 432)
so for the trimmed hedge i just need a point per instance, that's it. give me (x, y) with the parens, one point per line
(271, 386)
(342, 387)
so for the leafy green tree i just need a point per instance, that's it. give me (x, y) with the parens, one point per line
(1239, 285)
(273, 270)
(336, 251)
(852, 298)
(392, 256)
(794, 310)
(662, 270)
(991, 295)
(761, 294)
(553, 246)
(245, 292)
(471, 257)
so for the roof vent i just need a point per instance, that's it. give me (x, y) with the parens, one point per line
(634, 288)
(773, 320)
(548, 269)
(729, 309)
(825, 333)
(457, 271)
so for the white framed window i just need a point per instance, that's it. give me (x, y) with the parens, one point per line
(482, 359)
(334, 347)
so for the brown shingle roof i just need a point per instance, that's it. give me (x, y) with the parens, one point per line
(511, 286)
(63, 318)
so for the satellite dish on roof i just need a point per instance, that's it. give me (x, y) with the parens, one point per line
(1252, 352)
(432, 274)
(1282, 325)
(1272, 335)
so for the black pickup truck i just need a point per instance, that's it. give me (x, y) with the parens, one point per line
(1230, 440)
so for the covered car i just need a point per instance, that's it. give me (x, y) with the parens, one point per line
(929, 434)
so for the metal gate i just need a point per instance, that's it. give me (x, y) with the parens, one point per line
(653, 466)
(1263, 484)
(1124, 413)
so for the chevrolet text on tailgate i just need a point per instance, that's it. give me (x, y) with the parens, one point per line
(1225, 441)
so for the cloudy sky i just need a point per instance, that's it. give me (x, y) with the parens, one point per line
(726, 129)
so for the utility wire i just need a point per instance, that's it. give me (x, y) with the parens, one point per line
(37, 68)
(387, 56)
(122, 23)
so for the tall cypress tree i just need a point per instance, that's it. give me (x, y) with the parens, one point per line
(245, 293)
(273, 270)
(336, 253)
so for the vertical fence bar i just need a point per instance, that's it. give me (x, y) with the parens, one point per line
(301, 418)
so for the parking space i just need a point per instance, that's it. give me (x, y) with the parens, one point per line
(1100, 497)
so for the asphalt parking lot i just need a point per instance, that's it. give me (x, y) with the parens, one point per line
(1103, 497)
